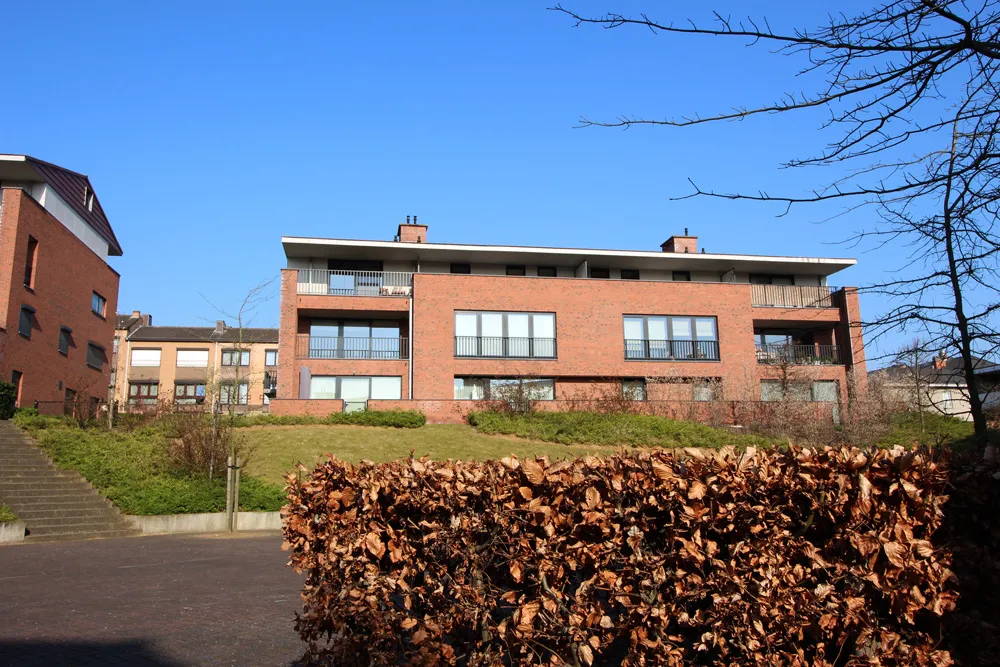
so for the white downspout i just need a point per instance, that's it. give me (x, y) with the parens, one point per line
(410, 362)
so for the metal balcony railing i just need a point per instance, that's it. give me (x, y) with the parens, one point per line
(505, 347)
(331, 347)
(355, 283)
(793, 296)
(798, 355)
(672, 350)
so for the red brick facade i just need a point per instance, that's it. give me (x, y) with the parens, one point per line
(66, 275)
(589, 337)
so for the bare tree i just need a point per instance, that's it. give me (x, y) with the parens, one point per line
(911, 92)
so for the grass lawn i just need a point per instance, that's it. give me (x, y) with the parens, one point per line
(279, 448)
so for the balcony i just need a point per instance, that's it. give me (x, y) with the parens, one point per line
(798, 355)
(793, 296)
(355, 283)
(671, 350)
(504, 347)
(323, 347)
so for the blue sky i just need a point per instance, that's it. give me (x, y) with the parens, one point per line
(212, 129)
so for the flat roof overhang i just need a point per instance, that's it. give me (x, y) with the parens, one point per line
(304, 247)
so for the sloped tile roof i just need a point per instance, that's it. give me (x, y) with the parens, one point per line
(203, 334)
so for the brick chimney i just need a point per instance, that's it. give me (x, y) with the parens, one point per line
(411, 232)
(680, 243)
(220, 327)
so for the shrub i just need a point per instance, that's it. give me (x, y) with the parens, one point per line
(196, 448)
(8, 398)
(7, 514)
(795, 557)
(599, 428)
(385, 418)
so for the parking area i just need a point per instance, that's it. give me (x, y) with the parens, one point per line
(165, 601)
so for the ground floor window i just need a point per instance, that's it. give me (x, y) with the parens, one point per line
(500, 389)
(189, 393)
(634, 389)
(356, 388)
(231, 393)
(143, 393)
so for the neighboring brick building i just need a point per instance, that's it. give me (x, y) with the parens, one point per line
(57, 291)
(189, 366)
(408, 323)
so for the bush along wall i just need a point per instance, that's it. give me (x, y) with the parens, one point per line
(800, 557)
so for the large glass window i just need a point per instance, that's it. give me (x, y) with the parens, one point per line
(231, 393)
(502, 389)
(98, 304)
(236, 357)
(189, 393)
(671, 337)
(505, 335)
(356, 388)
(270, 357)
(355, 339)
(143, 393)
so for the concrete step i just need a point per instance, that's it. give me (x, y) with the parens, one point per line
(61, 523)
(75, 510)
(79, 527)
(28, 467)
(42, 484)
(61, 537)
(55, 502)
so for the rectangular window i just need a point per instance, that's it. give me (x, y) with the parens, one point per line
(671, 338)
(704, 391)
(515, 269)
(356, 388)
(65, 336)
(270, 381)
(98, 303)
(461, 268)
(353, 339)
(143, 393)
(630, 274)
(15, 379)
(772, 390)
(96, 356)
(505, 335)
(600, 273)
(189, 393)
(505, 389)
(26, 321)
(634, 390)
(230, 393)
(270, 357)
(546, 272)
(30, 261)
(141, 357)
(192, 358)
(770, 279)
(681, 276)
(236, 357)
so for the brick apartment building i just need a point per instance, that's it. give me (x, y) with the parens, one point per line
(436, 326)
(57, 292)
(187, 367)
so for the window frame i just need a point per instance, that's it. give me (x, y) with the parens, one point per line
(591, 270)
(460, 269)
(31, 263)
(68, 339)
(101, 301)
(267, 355)
(638, 392)
(242, 392)
(190, 399)
(25, 308)
(230, 351)
(547, 269)
(685, 276)
(102, 351)
(187, 364)
(487, 381)
(505, 336)
(671, 340)
(159, 358)
(516, 270)
(338, 389)
(634, 274)
(151, 396)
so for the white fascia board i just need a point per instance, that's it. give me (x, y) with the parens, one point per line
(427, 250)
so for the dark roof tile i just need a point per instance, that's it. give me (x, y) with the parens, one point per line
(203, 334)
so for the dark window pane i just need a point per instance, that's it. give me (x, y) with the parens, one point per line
(630, 274)
(515, 270)
(95, 356)
(600, 273)
(64, 341)
(547, 272)
(461, 268)
(24, 324)
(682, 276)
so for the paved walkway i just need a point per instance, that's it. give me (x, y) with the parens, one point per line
(164, 601)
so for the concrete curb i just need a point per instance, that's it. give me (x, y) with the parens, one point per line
(214, 522)
(12, 531)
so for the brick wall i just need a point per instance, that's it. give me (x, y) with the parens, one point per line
(67, 273)
(316, 408)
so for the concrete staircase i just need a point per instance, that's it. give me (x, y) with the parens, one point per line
(55, 504)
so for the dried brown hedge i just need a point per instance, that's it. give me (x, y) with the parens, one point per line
(802, 557)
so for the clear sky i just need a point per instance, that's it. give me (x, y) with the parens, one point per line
(211, 129)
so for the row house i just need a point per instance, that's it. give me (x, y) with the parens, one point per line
(190, 367)
(437, 326)
(58, 293)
